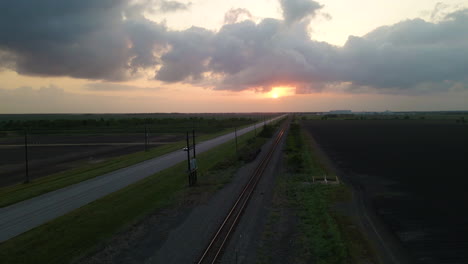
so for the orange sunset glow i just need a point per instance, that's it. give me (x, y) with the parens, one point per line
(231, 56)
(175, 131)
(281, 91)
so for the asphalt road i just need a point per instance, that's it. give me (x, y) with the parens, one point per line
(84, 144)
(23, 216)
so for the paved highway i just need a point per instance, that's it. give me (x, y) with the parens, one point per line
(83, 144)
(23, 216)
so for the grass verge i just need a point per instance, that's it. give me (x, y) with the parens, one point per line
(20, 192)
(323, 235)
(77, 233)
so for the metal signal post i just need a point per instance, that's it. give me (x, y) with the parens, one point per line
(191, 163)
(146, 138)
(235, 133)
(194, 167)
(26, 155)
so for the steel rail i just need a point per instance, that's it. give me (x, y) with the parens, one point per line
(213, 251)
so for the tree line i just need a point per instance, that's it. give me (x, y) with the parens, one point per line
(127, 124)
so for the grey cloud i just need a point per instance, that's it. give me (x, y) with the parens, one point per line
(57, 38)
(188, 56)
(136, 8)
(297, 10)
(148, 41)
(438, 9)
(409, 53)
(238, 46)
(172, 6)
(233, 15)
(268, 54)
(111, 40)
(399, 58)
(7, 60)
(84, 39)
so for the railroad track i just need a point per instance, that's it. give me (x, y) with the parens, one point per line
(213, 251)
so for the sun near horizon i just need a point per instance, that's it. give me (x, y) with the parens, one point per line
(290, 55)
(281, 91)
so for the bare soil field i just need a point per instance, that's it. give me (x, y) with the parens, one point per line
(415, 174)
(48, 154)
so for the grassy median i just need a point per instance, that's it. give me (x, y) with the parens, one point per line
(77, 233)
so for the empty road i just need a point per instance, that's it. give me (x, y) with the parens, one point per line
(23, 216)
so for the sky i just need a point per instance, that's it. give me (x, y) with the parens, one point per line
(141, 56)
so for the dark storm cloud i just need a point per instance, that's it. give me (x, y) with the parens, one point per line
(53, 37)
(112, 40)
(84, 39)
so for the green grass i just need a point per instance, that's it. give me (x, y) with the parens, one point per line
(77, 233)
(459, 116)
(19, 192)
(324, 236)
(301, 158)
(321, 238)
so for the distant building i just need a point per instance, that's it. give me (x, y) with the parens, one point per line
(340, 112)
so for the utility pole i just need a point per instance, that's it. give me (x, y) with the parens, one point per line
(188, 160)
(146, 138)
(194, 158)
(255, 129)
(26, 155)
(235, 133)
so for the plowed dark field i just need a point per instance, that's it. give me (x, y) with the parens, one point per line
(54, 153)
(416, 174)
